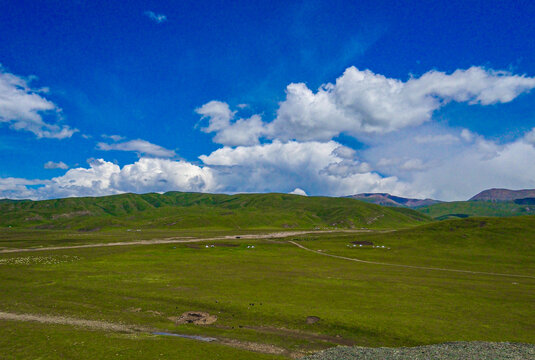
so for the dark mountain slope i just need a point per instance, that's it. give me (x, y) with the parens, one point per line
(386, 199)
(503, 195)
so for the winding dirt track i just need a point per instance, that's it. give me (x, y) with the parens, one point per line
(410, 266)
(90, 324)
(123, 328)
(177, 240)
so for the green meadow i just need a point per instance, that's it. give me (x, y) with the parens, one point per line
(262, 296)
(464, 209)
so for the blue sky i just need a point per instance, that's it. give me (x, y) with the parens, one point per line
(425, 100)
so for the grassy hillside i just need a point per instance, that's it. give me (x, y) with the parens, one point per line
(175, 210)
(463, 209)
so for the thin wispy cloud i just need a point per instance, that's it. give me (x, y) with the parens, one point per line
(113, 137)
(142, 147)
(159, 18)
(55, 165)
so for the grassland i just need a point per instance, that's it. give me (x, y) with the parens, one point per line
(464, 209)
(357, 303)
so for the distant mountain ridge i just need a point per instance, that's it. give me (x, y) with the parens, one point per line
(490, 202)
(386, 199)
(503, 195)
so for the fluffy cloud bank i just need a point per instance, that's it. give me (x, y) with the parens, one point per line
(106, 178)
(448, 170)
(315, 167)
(479, 164)
(326, 168)
(361, 102)
(24, 108)
(457, 164)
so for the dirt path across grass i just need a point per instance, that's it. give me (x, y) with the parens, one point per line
(177, 240)
(411, 266)
(131, 329)
(90, 324)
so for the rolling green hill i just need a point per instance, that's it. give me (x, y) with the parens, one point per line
(463, 209)
(196, 210)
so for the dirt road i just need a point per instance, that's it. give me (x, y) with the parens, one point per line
(177, 240)
(123, 328)
(90, 324)
(410, 266)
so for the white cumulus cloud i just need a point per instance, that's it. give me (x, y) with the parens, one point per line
(106, 178)
(18, 188)
(365, 102)
(362, 102)
(230, 131)
(147, 175)
(25, 108)
(281, 167)
(298, 191)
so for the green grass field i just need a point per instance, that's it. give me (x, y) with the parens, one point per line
(463, 209)
(357, 303)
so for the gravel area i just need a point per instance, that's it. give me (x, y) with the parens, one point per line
(476, 350)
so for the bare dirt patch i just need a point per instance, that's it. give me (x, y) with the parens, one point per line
(89, 229)
(194, 317)
(193, 246)
(299, 334)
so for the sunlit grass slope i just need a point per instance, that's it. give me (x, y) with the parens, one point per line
(463, 209)
(195, 210)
